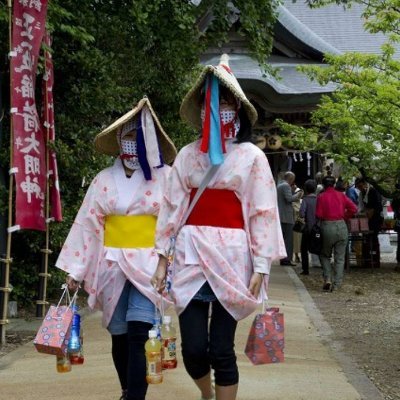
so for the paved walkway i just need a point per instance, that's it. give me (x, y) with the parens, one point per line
(315, 368)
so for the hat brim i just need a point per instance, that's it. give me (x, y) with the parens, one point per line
(106, 141)
(191, 107)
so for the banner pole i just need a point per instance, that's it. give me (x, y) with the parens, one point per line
(43, 274)
(5, 284)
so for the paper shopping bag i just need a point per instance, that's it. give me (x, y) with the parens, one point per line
(265, 343)
(52, 336)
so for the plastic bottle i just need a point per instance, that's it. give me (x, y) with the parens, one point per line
(157, 327)
(63, 364)
(168, 334)
(75, 350)
(153, 358)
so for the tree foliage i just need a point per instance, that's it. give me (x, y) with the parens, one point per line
(108, 54)
(359, 124)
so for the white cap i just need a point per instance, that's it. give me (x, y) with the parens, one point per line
(152, 333)
(167, 319)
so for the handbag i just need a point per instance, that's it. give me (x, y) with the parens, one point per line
(54, 332)
(315, 242)
(171, 250)
(299, 225)
(266, 341)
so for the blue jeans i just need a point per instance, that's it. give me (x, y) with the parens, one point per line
(132, 306)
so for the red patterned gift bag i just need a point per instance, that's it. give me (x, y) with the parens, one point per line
(266, 341)
(52, 336)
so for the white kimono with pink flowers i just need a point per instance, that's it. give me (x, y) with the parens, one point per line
(104, 269)
(226, 258)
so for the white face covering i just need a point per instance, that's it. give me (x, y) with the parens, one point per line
(129, 154)
(227, 114)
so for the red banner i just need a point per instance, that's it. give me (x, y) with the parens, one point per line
(48, 123)
(29, 145)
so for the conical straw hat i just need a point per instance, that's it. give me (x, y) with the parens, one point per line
(106, 141)
(191, 106)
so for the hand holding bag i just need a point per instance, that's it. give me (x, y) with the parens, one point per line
(53, 335)
(265, 343)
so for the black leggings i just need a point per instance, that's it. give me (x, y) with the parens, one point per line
(207, 345)
(130, 360)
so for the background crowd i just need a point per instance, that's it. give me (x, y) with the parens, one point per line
(327, 204)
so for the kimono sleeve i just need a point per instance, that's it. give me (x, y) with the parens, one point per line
(264, 227)
(173, 206)
(83, 246)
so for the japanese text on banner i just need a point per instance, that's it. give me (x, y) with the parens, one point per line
(29, 17)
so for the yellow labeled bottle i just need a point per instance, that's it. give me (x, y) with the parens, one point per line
(63, 364)
(168, 335)
(153, 358)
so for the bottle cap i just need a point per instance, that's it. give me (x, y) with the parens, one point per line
(167, 319)
(152, 334)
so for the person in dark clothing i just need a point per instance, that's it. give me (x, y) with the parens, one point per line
(373, 207)
(395, 203)
(307, 211)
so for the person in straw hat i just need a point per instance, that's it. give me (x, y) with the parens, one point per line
(231, 237)
(110, 245)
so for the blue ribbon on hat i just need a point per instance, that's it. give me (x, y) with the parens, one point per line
(215, 149)
(141, 148)
(212, 142)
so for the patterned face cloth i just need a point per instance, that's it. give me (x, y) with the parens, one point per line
(129, 154)
(128, 147)
(230, 123)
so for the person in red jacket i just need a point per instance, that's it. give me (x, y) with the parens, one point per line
(332, 209)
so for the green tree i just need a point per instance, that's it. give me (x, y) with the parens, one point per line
(359, 124)
(108, 54)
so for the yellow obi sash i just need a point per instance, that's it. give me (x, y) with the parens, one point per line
(130, 231)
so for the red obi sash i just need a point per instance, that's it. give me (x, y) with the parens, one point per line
(217, 207)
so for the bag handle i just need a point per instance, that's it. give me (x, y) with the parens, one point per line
(68, 300)
(264, 295)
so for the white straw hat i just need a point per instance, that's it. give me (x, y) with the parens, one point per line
(106, 141)
(191, 105)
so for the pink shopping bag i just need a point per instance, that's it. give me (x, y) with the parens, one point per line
(52, 336)
(265, 344)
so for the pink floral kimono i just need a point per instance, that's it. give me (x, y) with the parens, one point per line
(105, 269)
(224, 257)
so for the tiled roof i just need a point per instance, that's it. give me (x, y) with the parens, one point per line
(292, 81)
(330, 27)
